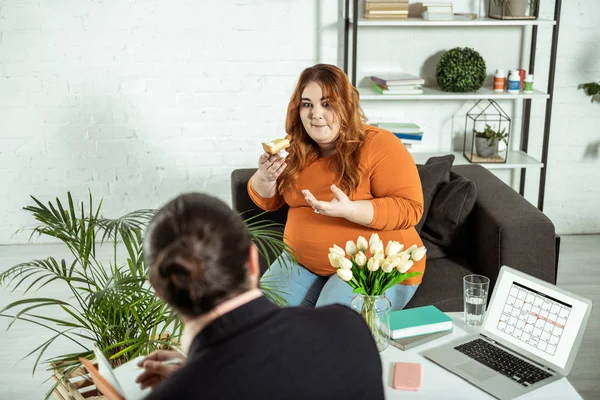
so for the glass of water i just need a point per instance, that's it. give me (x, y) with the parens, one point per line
(476, 293)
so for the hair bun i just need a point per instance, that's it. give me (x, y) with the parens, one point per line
(196, 248)
(176, 276)
(177, 264)
(174, 266)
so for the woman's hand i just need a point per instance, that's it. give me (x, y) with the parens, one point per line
(360, 211)
(155, 368)
(270, 167)
(340, 206)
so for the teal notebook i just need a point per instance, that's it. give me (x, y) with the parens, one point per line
(418, 321)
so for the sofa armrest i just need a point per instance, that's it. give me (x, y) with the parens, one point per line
(505, 229)
(243, 204)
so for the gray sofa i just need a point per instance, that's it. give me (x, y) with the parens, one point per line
(501, 228)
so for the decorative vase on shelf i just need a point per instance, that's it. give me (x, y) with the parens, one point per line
(485, 147)
(375, 310)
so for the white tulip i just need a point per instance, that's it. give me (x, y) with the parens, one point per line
(404, 255)
(411, 248)
(387, 267)
(360, 259)
(333, 259)
(345, 274)
(405, 266)
(351, 248)
(377, 249)
(344, 263)
(419, 253)
(393, 248)
(379, 255)
(362, 244)
(374, 243)
(337, 250)
(394, 260)
(373, 264)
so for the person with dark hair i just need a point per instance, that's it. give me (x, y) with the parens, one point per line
(239, 345)
(342, 179)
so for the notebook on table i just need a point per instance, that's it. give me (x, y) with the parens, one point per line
(119, 382)
(529, 337)
(414, 341)
(418, 321)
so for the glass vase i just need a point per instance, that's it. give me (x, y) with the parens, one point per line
(375, 310)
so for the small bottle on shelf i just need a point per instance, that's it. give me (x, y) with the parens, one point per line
(514, 82)
(528, 86)
(499, 80)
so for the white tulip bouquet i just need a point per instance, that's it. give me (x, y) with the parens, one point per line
(369, 268)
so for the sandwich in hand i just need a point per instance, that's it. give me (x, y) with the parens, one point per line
(276, 146)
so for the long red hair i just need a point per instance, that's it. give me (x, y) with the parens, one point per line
(343, 99)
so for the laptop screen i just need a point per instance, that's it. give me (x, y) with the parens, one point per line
(535, 318)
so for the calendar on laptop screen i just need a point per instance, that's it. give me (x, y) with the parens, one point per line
(535, 318)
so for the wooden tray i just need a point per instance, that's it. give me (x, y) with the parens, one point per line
(474, 158)
(77, 386)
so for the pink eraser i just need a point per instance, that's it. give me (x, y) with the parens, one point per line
(407, 376)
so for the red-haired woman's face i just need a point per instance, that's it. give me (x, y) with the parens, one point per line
(319, 120)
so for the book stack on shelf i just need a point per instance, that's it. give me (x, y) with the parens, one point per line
(386, 9)
(400, 83)
(409, 133)
(438, 12)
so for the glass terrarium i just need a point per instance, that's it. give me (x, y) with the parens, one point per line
(487, 130)
(513, 9)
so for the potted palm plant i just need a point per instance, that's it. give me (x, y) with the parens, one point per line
(111, 305)
(486, 141)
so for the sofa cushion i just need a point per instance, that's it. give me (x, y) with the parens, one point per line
(435, 171)
(442, 285)
(433, 250)
(448, 213)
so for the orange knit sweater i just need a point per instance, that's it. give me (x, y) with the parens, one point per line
(389, 178)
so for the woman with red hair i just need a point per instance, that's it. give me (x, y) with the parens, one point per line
(342, 179)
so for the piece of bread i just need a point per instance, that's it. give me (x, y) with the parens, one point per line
(276, 145)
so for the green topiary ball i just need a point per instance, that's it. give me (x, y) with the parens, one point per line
(461, 70)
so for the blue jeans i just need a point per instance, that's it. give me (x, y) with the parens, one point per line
(300, 287)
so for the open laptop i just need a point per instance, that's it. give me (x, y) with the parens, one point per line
(529, 337)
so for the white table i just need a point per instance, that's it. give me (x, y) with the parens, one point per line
(439, 383)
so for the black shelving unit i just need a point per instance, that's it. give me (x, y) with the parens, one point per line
(351, 26)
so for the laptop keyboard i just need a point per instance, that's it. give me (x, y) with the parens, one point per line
(505, 363)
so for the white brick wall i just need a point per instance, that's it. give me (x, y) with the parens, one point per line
(139, 100)
(573, 182)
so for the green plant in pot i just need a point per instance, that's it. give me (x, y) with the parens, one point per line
(486, 141)
(461, 70)
(592, 89)
(110, 305)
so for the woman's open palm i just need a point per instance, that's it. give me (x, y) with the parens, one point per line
(340, 206)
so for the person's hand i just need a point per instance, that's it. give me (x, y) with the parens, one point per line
(340, 206)
(155, 368)
(270, 167)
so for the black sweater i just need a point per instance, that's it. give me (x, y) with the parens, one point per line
(261, 351)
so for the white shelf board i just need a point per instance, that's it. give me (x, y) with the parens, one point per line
(516, 159)
(430, 93)
(472, 22)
